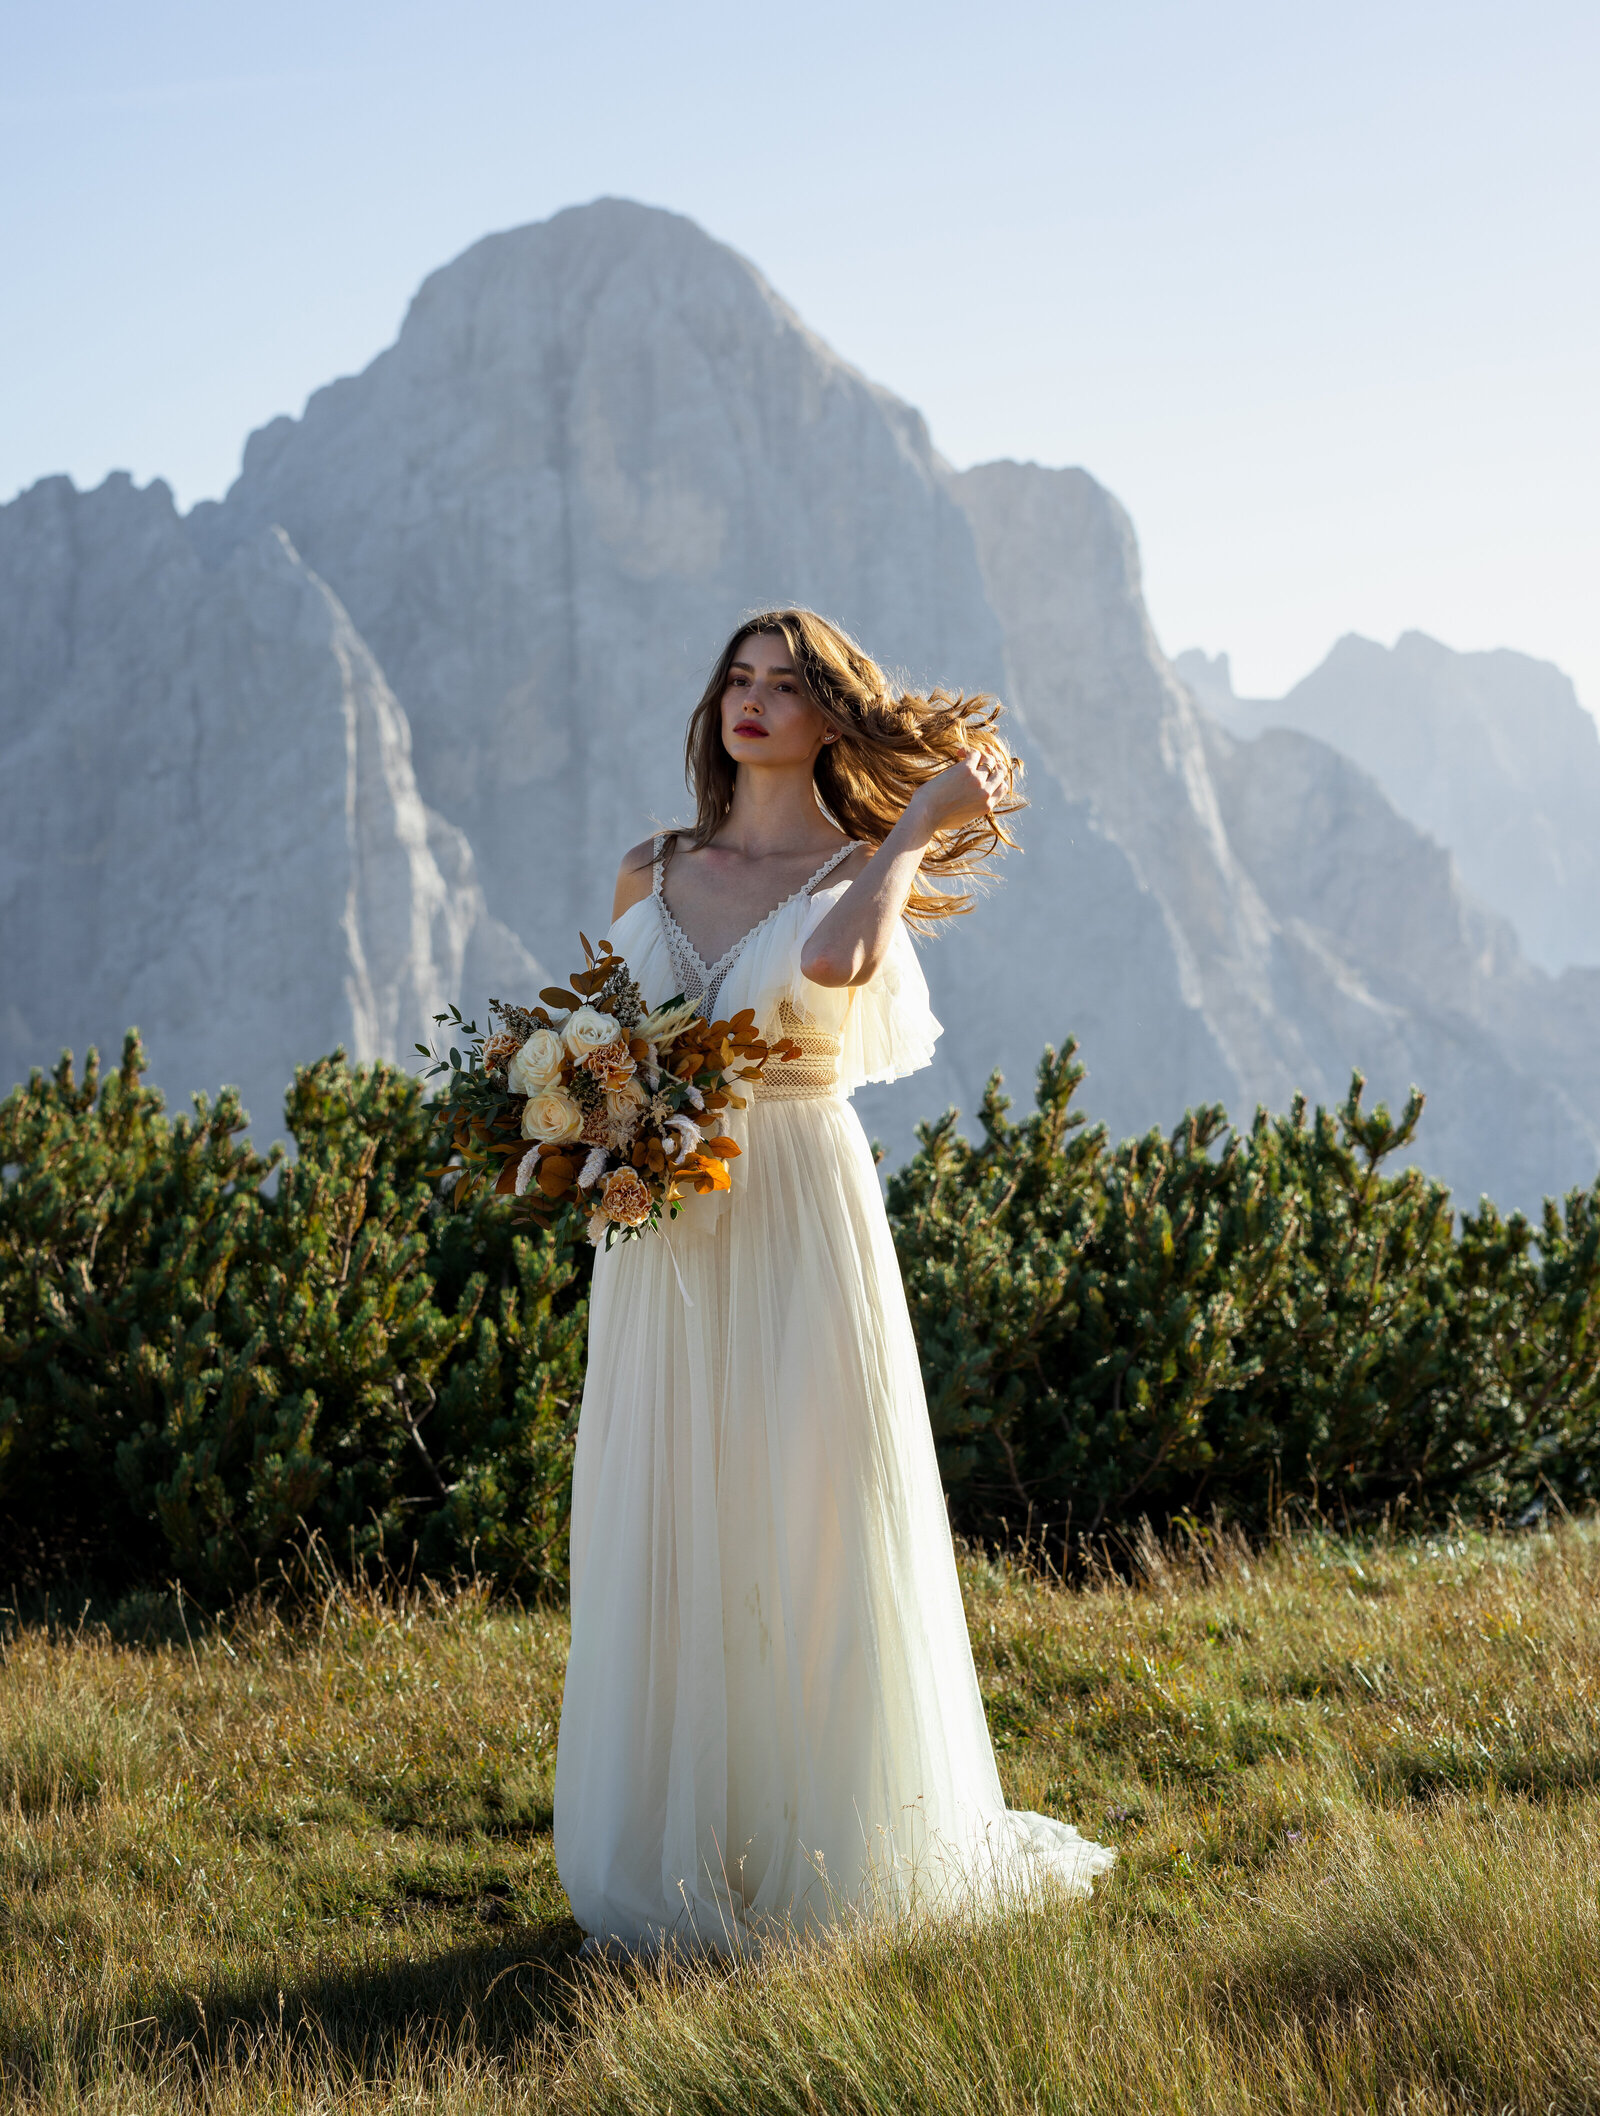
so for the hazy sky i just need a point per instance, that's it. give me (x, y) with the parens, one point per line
(1313, 290)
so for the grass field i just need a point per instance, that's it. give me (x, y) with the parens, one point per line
(1356, 1789)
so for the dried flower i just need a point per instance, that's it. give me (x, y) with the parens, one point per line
(662, 1024)
(625, 1200)
(611, 1066)
(499, 1049)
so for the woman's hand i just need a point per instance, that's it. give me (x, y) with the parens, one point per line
(853, 938)
(961, 793)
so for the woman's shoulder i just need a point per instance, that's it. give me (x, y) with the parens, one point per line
(634, 878)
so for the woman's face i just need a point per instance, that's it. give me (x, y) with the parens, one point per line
(766, 716)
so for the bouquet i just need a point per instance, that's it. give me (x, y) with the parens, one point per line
(592, 1100)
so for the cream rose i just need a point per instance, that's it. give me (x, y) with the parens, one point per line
(551, 1117)
(626, 1099)
(537, 1064)
(589, 1031)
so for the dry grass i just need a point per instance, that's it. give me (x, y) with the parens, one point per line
(1357, 1792)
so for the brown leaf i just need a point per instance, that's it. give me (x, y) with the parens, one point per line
(557, 1176)
(730, 1149)
(558, 996)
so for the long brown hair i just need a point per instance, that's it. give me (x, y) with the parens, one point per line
(889, 743)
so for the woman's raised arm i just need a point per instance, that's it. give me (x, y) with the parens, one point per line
(853, 939)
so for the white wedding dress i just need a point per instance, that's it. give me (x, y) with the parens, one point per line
(771, 1716)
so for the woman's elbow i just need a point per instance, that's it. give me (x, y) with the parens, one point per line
(818, 967)
(825, 968)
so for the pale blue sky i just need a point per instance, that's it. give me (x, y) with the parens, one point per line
(1313, 290)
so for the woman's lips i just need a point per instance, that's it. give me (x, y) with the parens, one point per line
(749, 727)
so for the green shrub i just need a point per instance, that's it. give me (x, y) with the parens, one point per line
(207, 1356)
(1227, 1319)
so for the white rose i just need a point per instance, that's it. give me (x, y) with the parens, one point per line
(551, 1117)
(537, 1064)
(589, 1031)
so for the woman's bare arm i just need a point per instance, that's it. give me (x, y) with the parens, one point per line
(853, 939)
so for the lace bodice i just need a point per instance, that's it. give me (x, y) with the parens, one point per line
(698, 979)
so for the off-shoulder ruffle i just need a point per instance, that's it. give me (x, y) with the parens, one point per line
(886, 1027)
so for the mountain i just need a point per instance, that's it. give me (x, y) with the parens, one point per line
(595, 443)
(1318, 930)
(404, 695)
(208, 818)
(1491, 754)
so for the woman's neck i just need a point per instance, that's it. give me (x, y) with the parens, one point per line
(774, 812)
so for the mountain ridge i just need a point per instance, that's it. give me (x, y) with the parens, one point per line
(593, 443)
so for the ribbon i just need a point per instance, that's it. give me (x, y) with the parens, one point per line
(688, 1300)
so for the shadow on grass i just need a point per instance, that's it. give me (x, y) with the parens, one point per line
(507, 1997)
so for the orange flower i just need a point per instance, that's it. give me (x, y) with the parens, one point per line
(625, 1199)
(498, 1049)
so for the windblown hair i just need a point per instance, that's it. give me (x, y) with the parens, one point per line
(889, 743)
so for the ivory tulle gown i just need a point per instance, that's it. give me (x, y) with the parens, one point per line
(771, 1714)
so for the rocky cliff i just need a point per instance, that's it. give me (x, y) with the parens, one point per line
(1319, 931)
(209, 823)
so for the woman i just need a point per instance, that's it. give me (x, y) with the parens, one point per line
(771, 1713)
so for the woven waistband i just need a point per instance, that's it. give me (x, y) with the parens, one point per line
(811, 1076)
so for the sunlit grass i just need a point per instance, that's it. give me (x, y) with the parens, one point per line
(1356, 1789)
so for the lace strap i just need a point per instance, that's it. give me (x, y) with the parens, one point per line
(838, 859)
(658, 863)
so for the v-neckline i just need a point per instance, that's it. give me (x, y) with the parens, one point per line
(712, 974)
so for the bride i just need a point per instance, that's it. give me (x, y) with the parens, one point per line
(771, 1714)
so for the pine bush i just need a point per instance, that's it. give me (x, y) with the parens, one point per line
(209, 1355)
(1216, 1319)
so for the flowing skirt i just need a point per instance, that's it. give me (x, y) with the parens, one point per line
(771, 1714)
